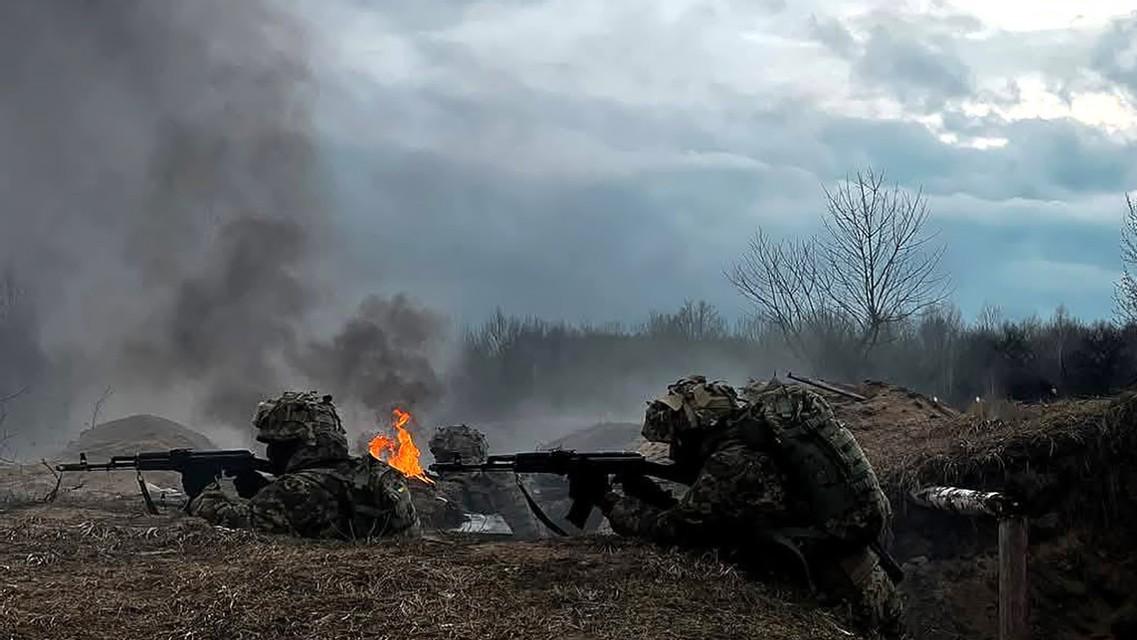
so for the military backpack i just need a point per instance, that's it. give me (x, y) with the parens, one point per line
(822, 458)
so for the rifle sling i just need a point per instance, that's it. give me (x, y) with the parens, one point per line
(536, 509)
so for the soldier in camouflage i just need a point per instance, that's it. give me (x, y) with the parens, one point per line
(481, 492)
(762, 492)
(319, 490)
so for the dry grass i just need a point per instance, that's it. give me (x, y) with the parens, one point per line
(1027, 437)
(909, 437)
(1065, 455)
(72, 572)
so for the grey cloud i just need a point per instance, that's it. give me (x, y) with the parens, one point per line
(832, 33)
(1115, 55)
(587, 229)
(1045, 159)
(916, 71)
(912, 58)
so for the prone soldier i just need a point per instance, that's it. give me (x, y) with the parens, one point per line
(773, 471)
(477, 491)
(319, 491)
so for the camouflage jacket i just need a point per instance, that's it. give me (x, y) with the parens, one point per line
(352, 499)
(737, 488)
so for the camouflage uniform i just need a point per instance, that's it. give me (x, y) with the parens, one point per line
(320, 491)
(748, 502)
(481, 492)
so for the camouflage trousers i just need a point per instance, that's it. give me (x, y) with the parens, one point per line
(871, 598)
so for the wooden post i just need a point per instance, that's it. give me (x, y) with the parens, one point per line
(1014, 614)
(1013, 596)
(967, 502)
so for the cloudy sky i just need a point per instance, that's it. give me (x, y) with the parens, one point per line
(594, 160)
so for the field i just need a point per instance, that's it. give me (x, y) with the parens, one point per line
(96, 566)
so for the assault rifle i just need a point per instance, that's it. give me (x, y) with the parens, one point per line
(587, 473)
(197, 468)
(588, 476)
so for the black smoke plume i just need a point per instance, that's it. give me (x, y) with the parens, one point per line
(161, 211)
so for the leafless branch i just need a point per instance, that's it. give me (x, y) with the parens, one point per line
(99, 406)
(5, 434)
(880, 270)
(1125, 290)
(51, 496)
(873, 267)
(14, 395)
(783, 281)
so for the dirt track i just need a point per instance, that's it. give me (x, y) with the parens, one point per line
(107, 570)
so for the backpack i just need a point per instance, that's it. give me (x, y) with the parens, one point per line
(821, 458)
(374, 499)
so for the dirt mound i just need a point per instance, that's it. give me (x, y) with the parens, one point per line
(1073, 463)
(604, 436)
(134, 434)
(892, 421)
(94, 575)
(125, 436)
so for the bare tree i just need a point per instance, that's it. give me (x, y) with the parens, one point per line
(98, 407)
(785, 282)
(1125, 290)
(872, 268)
(989, 318)
(5, 434)
(694, 321)
(881, 267)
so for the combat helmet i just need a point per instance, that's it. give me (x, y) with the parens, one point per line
(307, 419)
(459, 443)
(690, 404)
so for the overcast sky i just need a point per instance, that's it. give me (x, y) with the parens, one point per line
(594, 160)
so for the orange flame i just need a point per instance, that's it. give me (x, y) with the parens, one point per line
(402, 453)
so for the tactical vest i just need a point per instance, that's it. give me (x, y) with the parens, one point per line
(821, 457)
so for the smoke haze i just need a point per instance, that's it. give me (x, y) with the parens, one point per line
(162, 210)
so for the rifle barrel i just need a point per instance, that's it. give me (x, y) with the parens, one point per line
(172, 460)
(569, 462)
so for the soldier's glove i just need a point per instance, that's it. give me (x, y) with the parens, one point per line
(193, 483)
(248, 483)
(646, 490)
(608, 502)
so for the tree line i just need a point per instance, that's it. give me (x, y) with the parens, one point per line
(509, 361)
(865, 297)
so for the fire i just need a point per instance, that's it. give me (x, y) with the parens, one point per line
(402, 453)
